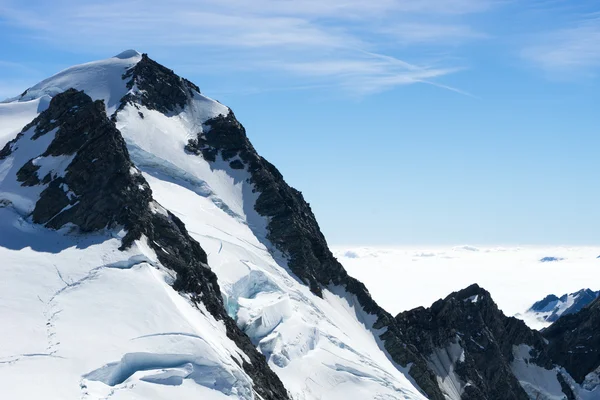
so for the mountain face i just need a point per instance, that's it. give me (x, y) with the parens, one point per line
(150, 252)
(85, 179)
(574, 343)
(552, 307)
(476, 352)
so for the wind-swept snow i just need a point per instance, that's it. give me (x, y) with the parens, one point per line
(14, 116)
(82, 319)
(99, 80)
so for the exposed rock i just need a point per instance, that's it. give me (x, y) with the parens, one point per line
(236, 164)
(107, 192)
(292, 226)
(27, 174)
(574, 341)
(469, 324)
(158, 88)
(565, 387)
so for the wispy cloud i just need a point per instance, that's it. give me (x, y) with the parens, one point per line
(352, 43)
(367, 73)
(568, 52)
(439, 33)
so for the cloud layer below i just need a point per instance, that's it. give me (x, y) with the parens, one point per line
(404, 278)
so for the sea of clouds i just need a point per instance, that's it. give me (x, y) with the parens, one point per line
(402, 278)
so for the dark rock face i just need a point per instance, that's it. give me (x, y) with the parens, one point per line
(105, 190)
(472, 320)
(159, 87)
(236, 164)
(566, 389)
(293, 228)
(98, 189)
(574, 341)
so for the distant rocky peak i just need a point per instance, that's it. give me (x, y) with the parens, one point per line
(473, 294)
(546, 304)
(470, 345)
(156, 87)
(552, 307)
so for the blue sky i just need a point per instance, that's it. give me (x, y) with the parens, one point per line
(402, 122)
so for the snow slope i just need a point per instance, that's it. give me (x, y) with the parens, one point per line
(320, 348)
(16, 115)
(89, 321)
(99, 79)
(83, 320)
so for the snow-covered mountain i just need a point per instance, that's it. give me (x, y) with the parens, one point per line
(149, 252)
(124, 191)
(552, 307)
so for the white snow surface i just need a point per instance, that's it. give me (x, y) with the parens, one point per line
(99, 79)
(538, 383)
(16, 115)
(443, 363)
(514, 276)
(83, 320)
(320, 348)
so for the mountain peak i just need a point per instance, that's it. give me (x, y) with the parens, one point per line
(470, 291)
(552, 307)
(128, 54)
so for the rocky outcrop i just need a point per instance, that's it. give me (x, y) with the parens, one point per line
(469, 342)
(574, 341)
(156, 87)
(101, 189)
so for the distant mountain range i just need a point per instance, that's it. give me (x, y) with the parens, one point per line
(553, 307)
